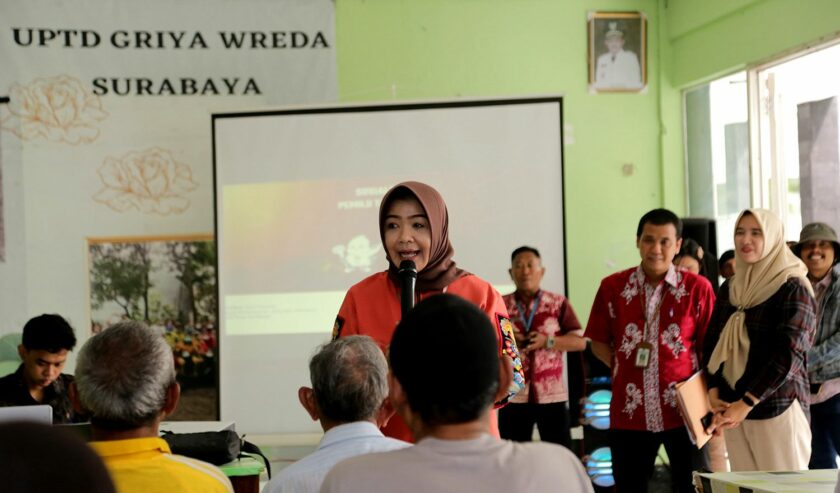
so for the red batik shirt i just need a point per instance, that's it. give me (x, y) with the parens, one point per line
(645, 398)
(543, 368)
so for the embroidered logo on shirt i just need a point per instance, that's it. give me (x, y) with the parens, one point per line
(672, 338)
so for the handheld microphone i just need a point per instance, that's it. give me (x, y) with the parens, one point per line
(408, 277)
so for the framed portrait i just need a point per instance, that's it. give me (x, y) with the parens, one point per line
(617, 51)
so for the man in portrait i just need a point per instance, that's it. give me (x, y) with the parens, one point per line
(617, 68)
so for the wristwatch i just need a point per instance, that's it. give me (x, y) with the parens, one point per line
(748, 401)
(549, 342)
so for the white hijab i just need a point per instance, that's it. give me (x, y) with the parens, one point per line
(752, 285)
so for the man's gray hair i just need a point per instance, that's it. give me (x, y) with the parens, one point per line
(350, 379)
(122, 375)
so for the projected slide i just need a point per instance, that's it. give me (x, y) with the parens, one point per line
(295, 248)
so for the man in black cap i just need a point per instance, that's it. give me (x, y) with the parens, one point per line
(446, 373)
(818, 248)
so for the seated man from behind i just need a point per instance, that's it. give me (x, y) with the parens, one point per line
(125, 381)
(46, 342)
(445, 397)
(349, 386)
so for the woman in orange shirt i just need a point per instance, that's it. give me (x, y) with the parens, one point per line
(414, 225)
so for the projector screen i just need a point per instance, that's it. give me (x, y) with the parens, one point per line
(297, 201)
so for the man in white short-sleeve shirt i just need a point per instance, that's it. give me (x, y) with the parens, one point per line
(446, 402)
(349, 386)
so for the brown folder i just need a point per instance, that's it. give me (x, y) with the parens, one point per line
(693, 399)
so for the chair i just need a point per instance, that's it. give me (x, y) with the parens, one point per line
(8, 367)
(9, 347)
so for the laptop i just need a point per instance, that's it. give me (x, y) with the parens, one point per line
(36, 414)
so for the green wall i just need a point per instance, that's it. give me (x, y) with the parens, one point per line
(436, 49)
(716, 37)
(444, 49)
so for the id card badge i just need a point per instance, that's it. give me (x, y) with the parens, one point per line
(643, 355)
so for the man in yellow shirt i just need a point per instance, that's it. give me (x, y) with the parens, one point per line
(125, 380)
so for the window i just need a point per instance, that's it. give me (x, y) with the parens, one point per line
(798, 163)
(768, 137)
(717, 153)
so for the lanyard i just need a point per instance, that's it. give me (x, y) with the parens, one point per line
(644, 300)
(534, 305)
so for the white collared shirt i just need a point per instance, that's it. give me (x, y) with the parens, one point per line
(338, 443)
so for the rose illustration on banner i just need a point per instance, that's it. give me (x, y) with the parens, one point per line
(58, 109)
(151, 181)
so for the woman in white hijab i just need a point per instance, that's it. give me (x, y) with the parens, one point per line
(754, 351)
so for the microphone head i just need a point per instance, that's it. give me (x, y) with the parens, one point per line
(408, 267)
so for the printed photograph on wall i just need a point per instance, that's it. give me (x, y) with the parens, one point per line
(617, 51)
(170, 284)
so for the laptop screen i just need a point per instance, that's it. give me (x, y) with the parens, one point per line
(37, 414)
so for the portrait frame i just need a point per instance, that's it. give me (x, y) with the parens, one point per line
(617, 51)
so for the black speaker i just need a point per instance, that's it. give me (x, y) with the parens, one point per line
(594, 409)
(704, 232)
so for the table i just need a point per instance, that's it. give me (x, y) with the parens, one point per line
(244, 474)
(817, 481)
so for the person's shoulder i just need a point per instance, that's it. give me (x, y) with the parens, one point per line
(386, 444)
(203, 476)
(9, 384)
(795, 286)
(547, 458)
(360, 462)
(360, 469)
(620, 277)
(301, 475)
(291, 477)
(834, 286)
(554, 297)
(472, 288)
(469, 280)
(372, 281)
(628, 54)
(9, 380)
(548, 451)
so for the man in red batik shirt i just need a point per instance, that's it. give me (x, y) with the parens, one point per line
(545, 328)
(647, 323)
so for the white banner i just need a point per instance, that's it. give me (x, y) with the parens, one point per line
(108, 131)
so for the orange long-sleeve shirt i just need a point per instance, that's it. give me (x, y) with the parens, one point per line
(372, 308)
